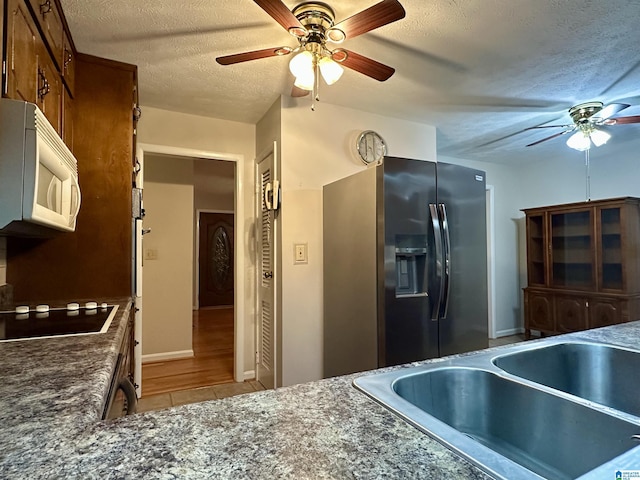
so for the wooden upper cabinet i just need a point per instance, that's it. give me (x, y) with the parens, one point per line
(68, 64)
(49, 98)
(50, 22)
(22, 53)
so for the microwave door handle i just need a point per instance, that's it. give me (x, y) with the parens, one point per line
(77, 199)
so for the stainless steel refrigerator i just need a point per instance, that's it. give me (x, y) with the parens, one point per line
(405, 265)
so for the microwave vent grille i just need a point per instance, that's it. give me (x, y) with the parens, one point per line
(52, 139)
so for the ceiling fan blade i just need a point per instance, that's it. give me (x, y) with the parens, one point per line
(622, 120)
(255, 55)
(366, 66)
(383, 13)
(549, 138)
(549, 126)
(610, 110)
(281, 14)
(299, 92)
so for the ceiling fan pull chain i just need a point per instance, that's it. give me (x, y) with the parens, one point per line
(316, 82)
(588, 175)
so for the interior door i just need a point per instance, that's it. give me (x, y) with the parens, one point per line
(266, 291)
(216, 260)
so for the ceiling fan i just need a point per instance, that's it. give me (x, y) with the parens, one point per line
(586, 118)
(313, 25)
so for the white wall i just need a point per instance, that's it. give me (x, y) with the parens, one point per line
(318, 148)
(505, 180)
(167, 286)
(163, 127)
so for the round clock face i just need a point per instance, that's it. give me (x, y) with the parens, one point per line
(371, 147)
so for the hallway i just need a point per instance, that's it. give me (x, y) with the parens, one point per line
(212, 363)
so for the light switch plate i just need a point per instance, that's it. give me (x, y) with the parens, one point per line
(300, 253)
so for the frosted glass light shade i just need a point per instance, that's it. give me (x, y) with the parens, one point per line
(302, 64)
(305, 82)
(599, 137)
(330, 70)
(579, 141)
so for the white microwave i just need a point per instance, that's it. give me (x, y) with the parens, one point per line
(38, 174)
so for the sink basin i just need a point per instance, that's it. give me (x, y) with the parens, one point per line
(507, 426)
(600, 373)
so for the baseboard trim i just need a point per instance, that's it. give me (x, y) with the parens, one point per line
(160, 357)
(509, 332)
(250, 375)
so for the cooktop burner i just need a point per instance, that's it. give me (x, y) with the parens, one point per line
(26, 323)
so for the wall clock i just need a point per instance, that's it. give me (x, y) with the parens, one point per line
(371, 147)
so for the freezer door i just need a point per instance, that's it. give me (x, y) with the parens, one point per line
(406, 331)
(462, 206)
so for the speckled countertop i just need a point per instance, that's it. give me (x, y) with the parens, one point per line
(52, 394)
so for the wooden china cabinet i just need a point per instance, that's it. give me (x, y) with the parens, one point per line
(583, 265)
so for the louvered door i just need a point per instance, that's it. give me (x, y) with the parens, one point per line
(266, 299)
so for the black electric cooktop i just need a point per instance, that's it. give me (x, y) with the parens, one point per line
(55, 322)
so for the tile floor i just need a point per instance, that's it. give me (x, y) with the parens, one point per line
(173, 399)
(496, 342)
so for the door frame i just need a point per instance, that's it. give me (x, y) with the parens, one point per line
(239, 233)
(197, 259)
(491, 261)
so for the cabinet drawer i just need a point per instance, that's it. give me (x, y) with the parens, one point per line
(49, 20)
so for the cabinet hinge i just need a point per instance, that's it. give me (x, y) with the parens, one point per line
(257, 357)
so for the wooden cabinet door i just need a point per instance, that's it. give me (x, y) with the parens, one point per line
(571, 313)
(49, 18)
(604, 312)
(49, 90)
(69, 65)
(539, 312)
(537, 250)
(22, 53)
(67, 119)
(572, 249)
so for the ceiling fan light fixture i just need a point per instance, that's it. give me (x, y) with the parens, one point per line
(305, 82)
(579, 141)
(301, 65)
(599, 137)
(330, 70)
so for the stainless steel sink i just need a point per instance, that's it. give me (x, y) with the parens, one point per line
(601, 373)
(508, 426)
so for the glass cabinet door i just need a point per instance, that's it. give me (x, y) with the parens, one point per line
(610, 249)
(536, 250)
(572, 250)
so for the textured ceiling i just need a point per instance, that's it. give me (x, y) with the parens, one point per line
(479, 70)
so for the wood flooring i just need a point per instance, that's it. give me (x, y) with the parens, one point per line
(212, 363)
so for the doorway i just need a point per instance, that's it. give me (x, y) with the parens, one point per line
(228, 321)
(215, 259)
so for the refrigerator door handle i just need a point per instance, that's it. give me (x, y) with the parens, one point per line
(447, 260)
(437, 237)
